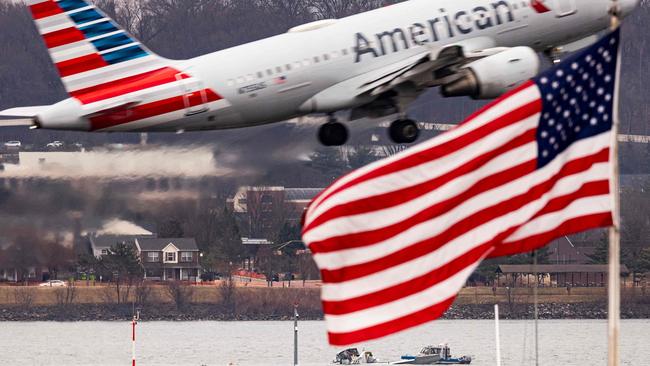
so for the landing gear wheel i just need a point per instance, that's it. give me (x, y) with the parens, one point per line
(333, 134)
(404, 131)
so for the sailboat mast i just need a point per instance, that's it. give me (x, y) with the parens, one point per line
(614, 288)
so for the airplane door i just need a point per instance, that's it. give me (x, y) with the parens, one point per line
(195, 98)
(565, 8)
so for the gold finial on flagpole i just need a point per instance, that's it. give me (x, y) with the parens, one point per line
(615, 11)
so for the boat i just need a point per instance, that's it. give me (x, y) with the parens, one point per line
(351, 356)
(434, 355)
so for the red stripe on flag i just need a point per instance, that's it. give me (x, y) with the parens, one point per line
(393, 326)
(447, 148)
(569, 227)
(151, 110)
(81, 64)
(45, 9)
(63, 37)
(128, 85)
(468, 223)
(391, 199)
(596, 188)
(410, 287)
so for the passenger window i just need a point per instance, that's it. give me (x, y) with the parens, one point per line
(260, 75)
(316, 59)
(269, 72)
(278, 69)
(326, 57)
(344, 52)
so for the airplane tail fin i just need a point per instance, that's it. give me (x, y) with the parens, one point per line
(89, 49)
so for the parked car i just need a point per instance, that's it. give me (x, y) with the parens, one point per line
(13, 144)
(53, 283)
(55, 145)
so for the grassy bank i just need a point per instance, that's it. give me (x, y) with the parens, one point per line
(244, 303)
(213, 294)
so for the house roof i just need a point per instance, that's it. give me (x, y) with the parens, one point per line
(557, 268)
(108, 241)
(157, 244)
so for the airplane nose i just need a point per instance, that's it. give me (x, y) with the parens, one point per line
(627, 6)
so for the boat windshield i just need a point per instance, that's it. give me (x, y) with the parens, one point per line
(430, 350)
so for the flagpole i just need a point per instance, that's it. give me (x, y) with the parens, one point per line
(614, 288)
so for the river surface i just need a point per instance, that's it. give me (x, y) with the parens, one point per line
(562, 342)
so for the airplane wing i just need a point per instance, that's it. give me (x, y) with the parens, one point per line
(22, 116)
(425, 69)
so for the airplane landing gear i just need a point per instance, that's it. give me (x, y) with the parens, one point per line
(333, 133)
(404, 131)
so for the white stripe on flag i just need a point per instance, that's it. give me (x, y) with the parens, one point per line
(581, 207)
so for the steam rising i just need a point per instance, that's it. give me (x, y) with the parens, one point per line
(157, 162)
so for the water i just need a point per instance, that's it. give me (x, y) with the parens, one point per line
(563, 342)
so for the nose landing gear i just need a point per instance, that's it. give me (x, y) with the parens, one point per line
(404, 131)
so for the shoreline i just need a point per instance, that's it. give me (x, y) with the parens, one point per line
(214, 312)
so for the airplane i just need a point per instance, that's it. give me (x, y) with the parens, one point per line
(373, 64)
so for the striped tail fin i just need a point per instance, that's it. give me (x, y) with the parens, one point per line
(88, 48)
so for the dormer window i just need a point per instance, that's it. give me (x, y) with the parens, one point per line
(171, 257)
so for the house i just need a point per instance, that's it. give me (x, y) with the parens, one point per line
(169, 258)
(101, 244)
(580, 275)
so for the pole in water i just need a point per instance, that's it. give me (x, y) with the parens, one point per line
(497, 333)
(134, 322)
(295, 334)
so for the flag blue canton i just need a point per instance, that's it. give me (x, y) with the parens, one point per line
(577, 98)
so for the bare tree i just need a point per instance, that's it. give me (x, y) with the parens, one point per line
(179, 293)
(228, 296)
(24, 297)
(65, 295)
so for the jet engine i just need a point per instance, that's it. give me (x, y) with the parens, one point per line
(492, 76)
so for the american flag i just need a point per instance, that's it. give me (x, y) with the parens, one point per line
(396, 240)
